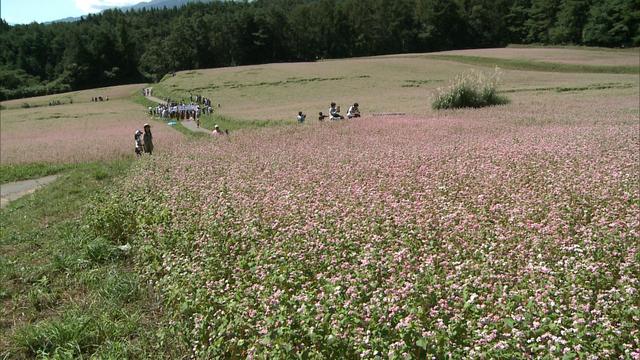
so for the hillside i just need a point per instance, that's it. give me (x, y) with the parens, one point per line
(395, 83)
(501, 232)
(38, 59)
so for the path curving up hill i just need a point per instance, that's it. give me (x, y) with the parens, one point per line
(15, 190)
(189, 124)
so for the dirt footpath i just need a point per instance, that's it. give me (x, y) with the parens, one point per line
(189, 124)
(15, 190)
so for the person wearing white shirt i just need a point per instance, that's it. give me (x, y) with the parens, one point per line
(301, 117)
(334, 111)
(353, 112)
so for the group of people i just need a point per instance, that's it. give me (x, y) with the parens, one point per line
(143, 141)
(199, 99)
(147, 92)
(58, 102)
(99, 98)
(182, 110)
(334, 113)
(176, 111)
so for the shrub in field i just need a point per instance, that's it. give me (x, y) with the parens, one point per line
(471, 89)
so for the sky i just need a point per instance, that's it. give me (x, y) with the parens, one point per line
(27, 11)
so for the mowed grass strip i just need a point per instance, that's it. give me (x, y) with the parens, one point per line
(531, 65)
(66, 293)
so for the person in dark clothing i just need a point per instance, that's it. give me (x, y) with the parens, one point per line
(148, 139)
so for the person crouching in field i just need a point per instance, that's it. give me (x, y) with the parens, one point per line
(322, 116)
(216, 131)
(148, 139)
(353, 112)
(334, 111)
(301, 117)
(138, 144)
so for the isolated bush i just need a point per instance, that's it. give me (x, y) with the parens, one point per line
(471, 89)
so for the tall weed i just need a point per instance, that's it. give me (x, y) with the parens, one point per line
(470, 89)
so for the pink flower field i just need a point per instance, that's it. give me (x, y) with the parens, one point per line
(76, 133)
(498, 233)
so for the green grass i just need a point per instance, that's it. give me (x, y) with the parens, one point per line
(17, 172)
(530, 65)
(209, 121)
(572, 47)
(139, 99)
(561, 89)
(67, 293)
(227, 123)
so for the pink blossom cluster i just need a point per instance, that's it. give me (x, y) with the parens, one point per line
(463, 237)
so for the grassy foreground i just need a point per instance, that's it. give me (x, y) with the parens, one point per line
(14, 172)
(65, 292)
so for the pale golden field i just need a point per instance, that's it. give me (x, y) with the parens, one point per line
(78, 132)
(81, 96)
(582, 56)
(387, 84)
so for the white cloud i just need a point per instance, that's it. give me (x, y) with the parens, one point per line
(93, 6)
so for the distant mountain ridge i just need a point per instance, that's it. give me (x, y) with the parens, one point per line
(153, 4)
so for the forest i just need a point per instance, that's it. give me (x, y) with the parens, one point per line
(116, 47)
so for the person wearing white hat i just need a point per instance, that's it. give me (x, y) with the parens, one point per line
(217, 131)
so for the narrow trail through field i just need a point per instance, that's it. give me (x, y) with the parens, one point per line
(189, 124)
(15, 190)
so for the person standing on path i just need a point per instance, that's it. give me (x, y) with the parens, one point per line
(148, 139)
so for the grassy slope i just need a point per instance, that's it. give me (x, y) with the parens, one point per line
(65, 292)
(15, 172)
(209, 121)
(81, 96)
(529, 65)
(398, 83)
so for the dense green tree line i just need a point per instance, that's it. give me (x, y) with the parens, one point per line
(117, 47)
